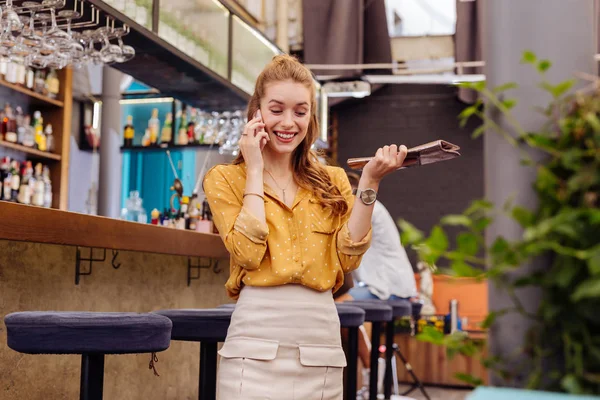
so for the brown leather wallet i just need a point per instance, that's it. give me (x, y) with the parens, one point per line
(427, 153)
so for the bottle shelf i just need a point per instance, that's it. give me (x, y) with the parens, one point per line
(40, 97)
(169, 147)
(33, 152)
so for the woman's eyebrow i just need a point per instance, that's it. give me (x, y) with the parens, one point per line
(304, 103)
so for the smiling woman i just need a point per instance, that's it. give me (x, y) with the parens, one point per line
(293, 230)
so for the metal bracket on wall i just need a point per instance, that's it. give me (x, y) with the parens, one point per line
(203, 263)
(92, 260)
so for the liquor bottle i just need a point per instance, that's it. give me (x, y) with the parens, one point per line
(182, 137)
(11, 73)
(146, 139)
(154, 126)
(206, 213)
(26, 184)
(38, 188)
(40, 82)
(5, 179)
(52, 83)
(38, 127)
(128, 132)
(3, 67)
(3, 124)
(21, 129)
(30, 79)
(11, 124)
(15, 181)
(167, 131)
(29, 132)
(47, 187)
(21, 74)
(191, 126)
(49, 138)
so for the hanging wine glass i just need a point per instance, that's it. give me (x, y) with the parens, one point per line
(109, 52)
(127, 52)
(11, 18)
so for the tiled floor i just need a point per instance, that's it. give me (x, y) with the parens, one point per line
(436, 393)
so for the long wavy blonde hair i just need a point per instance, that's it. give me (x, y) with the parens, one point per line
(308, 171)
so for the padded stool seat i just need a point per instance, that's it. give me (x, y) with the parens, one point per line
(417, 306)
(91, 334)
(197, 325)
(350, 316)
(42, 332)
(375, 311)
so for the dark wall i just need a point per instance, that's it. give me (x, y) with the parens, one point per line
(413, 115)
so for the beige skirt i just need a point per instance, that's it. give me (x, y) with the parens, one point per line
(283, 344)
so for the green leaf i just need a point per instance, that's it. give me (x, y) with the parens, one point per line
(571, 384)
(469, 379)
(504, 87)
(467, 113)
(594, 264)
(480, 130)
(478, 86)
(462, 269)
(410, 234)
(468, 243)
(528, 57)
(593, 120)
(438, 240)
(523, 216)
(491, 318)
(587, 289)
(479, 205)
(564, 275)
(482, 223)
(431, 335)
(509, 103)
(558, 90)
(544, 65)
(456, 220)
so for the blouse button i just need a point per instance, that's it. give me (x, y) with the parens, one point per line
(294, 237)
(296, 258)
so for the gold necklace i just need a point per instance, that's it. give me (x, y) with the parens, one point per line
(280, 188)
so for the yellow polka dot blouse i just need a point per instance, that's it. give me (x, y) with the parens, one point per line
(304, 244)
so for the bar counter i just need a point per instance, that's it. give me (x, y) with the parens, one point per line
(39, 249)
(44, 225)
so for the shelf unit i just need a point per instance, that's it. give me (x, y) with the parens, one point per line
(34, 95)
(33, 153)
(169, 147)
(57, 112)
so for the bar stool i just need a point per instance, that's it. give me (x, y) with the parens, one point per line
(351, 318)
(400, 309)
(376, 312)
(209, 327)
(91, 334)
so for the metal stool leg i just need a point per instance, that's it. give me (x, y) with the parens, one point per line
(208, 371)
(350, 392)
(375, 335)
(389, 354)
(417, 383)
(92, 377)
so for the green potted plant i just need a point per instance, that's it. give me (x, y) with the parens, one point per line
(564, 228)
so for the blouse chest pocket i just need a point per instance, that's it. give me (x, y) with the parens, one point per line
(321, 220)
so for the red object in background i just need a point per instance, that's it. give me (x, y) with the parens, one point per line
(91, 136)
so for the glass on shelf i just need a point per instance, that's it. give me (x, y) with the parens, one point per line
(133, 210)
(199, 29)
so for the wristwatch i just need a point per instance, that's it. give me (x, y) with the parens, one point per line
(367, 196)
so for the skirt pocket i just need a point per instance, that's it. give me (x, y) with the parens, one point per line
(322, 373)
(246, 369)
